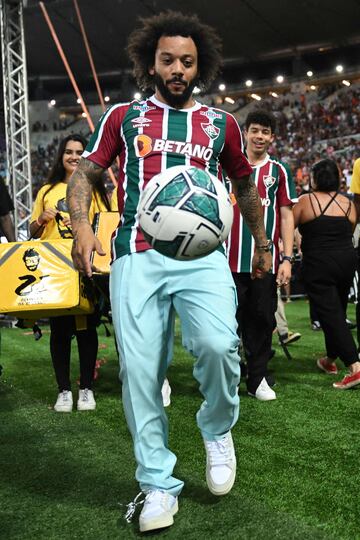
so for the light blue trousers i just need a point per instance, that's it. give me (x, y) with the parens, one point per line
(145, 290)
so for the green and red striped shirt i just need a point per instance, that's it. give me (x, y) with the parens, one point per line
(149, 137)
(276, 188)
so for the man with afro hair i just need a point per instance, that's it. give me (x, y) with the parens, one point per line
(172, 53)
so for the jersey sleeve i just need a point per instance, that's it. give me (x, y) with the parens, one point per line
(232, 157)
(106, 141)
(355, 178)
(286, 193)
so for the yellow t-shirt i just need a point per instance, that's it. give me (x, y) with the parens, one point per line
(114, 200)
(355, 179)
(56, 198)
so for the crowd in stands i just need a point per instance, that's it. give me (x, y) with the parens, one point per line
(310, 127)
(56, 126)
(309, 130)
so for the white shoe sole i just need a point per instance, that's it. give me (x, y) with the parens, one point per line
(58, 409)
(160, 522)
(81, 407)
(222, 489)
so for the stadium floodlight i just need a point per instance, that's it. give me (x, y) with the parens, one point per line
(313, 87)
(52, 103)
(107, 99)
(196, 90)
(309, 73)
(345, 82)
(137, 95)
(248, 83)
(222, 87)
(84, 115)
(339, 68)
(274, 94)
(78, 101)
(256, 97)
(280, 79)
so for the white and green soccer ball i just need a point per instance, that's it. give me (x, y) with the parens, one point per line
(185, 213)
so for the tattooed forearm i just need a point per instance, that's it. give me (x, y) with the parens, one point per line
(248, 200)
(79, 191)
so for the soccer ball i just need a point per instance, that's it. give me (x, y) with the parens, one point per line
(185, 213)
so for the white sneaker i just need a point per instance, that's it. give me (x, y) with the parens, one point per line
(220, 464)
(64, 402)
(165, 392)
(86, 401)
(158, 511)
(264, 392)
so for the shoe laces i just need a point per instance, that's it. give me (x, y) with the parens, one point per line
(65, 395)
(219, 452)
(156, 496)
(85, 395)
(131, 507)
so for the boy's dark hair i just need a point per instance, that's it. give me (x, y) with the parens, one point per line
(143, 42)
(326, 175)
(263, 117)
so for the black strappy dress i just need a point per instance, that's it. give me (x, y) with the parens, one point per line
(329, 263)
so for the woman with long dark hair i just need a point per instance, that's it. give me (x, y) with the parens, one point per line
(326, 220)
(50, 220)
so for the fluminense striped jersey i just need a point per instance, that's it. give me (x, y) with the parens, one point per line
(149, 137)
(276, 188)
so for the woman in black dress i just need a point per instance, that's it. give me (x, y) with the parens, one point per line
(326, 220)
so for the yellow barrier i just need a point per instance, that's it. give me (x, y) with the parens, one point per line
(38, 280)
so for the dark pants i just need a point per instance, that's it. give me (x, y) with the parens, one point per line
(62, 331)
(257, 301)
(358, 298)
(327, 278)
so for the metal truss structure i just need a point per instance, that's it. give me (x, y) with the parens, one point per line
(16, 110)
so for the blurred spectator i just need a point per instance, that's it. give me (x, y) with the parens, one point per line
(6, 207)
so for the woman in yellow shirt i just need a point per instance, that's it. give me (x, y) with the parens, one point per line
(50, 220)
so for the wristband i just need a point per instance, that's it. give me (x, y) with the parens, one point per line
(288, 258)
(265, 247)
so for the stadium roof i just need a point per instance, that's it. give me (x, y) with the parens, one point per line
(258, 36)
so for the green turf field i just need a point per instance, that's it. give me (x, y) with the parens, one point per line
(65, 476)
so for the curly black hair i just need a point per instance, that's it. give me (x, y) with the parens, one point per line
(261, 116)
(143, 42)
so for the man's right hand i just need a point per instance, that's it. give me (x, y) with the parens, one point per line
(85, 242)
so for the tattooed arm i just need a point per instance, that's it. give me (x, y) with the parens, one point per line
(79, 194)
(248, 200)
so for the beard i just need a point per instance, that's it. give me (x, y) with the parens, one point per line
(177, 101)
